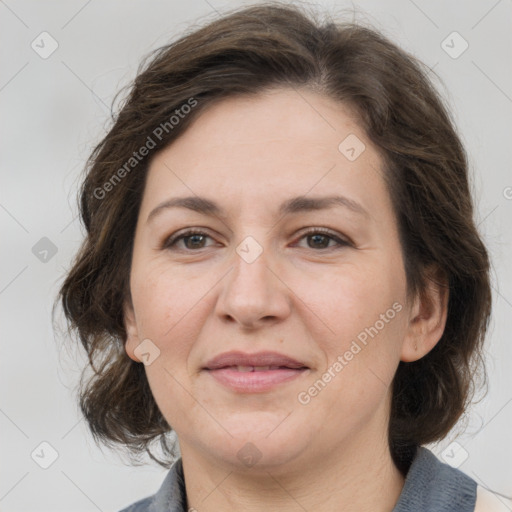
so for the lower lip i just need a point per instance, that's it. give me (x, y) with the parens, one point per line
(255, 382)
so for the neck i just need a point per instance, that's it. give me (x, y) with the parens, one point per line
(358, 475)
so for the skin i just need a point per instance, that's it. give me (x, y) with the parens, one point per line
(298, 298)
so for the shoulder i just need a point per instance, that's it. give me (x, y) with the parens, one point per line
(431, 485)
(487, 501)
(139, 506)
(171, 496)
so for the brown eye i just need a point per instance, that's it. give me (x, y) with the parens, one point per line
(322, 239)
(192, 240)
(319, 241)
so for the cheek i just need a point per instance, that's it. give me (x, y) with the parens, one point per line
(362, 315)
(351, 299)
(167, 306)
(361, 359)
(169, 312)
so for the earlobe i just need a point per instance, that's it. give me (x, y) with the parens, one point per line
(428, 317)
(132, 337)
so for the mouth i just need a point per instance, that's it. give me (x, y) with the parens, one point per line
(240, 368)
(254, 373)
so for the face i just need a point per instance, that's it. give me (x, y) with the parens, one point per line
(274, 329)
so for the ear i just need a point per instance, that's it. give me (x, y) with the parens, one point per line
(427, 318)
(132, 334)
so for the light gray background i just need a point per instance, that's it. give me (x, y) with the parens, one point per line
(54, 110)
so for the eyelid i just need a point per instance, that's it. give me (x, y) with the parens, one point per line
(341, 240)
(184, 233)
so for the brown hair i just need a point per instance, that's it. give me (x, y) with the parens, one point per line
(424, 163)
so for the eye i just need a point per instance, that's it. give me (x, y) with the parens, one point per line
(192, 239)
(320, 238)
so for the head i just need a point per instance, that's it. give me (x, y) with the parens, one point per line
(383, 295)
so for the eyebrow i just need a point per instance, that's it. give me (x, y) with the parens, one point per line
(294, 205)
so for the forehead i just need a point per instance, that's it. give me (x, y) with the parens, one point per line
(270, 147)
(286, 118)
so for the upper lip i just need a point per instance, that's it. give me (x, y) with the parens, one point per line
(258, 359)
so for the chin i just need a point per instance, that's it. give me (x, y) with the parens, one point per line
(258, 441)
(259, 456)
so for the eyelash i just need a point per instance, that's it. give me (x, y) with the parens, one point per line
(171, 241)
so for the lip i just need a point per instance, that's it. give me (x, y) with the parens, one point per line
(237, 358)
(254, 373)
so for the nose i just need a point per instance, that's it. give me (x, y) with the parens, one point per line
(254, 294)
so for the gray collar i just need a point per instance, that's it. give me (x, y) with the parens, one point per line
(171, 497)
(430, 486)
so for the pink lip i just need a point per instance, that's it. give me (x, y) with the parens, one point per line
(258, 359)
(224, 368)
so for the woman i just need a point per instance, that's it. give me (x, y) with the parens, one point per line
(281, 266)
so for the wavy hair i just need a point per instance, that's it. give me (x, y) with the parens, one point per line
(425, 166)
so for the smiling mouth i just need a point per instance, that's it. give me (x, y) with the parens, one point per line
(244, 369)
(259, 372)
(255, 379)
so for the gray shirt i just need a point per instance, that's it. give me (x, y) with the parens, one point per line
(430, 486)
